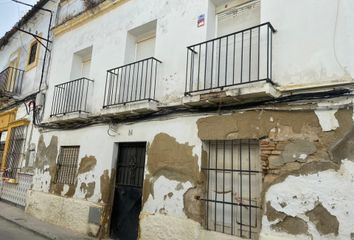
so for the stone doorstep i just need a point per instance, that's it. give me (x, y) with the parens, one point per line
(17, 216)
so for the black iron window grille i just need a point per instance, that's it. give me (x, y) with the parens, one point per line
(237, 58)
(131, 83)
(233, 186)
(11, 81)
(71, 97)
(17, 141)
(67, 164)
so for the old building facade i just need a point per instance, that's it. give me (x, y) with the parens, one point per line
(203, 119)
(23, 63)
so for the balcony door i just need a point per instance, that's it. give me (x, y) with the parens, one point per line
(145, 47)
(238, 17)
(238, 53)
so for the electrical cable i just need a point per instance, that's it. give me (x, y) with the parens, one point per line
(94, 120)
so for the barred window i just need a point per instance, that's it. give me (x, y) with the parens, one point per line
(17, 141)
(67, 164)
(233, 186)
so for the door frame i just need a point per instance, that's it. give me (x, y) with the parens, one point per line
(114, 184)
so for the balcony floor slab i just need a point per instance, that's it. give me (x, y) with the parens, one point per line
(69, 117)
(234, 95)
(130, 109)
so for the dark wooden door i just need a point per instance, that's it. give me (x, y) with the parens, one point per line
(128, 191)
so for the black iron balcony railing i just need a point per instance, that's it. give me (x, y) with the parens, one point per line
(237, 58)
(131, 83)
(11, 81)
(71, 97)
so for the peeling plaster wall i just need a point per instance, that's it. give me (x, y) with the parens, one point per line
(297, 196)
(292, 151)
(66, 212)
(94, 178)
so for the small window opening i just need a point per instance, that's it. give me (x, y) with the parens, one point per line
(15, 152)
(67, 164)
(33, 53)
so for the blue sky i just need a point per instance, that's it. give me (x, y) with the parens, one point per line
(10, 13)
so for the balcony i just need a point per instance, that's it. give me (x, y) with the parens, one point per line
(10, 82)
(70, 100)
(230, 68)
(131, 89)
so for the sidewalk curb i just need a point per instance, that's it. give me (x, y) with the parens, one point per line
(27, 228)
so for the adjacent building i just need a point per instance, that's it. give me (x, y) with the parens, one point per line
(198, 119)
(24, 58)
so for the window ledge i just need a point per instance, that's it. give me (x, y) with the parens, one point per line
(30, 66)
(10, 180)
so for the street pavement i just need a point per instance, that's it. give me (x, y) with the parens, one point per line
(16, 224)
(11, 231)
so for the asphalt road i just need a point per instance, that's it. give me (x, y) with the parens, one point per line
(10, 231)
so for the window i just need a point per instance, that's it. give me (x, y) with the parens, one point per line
(33, 52)
(67, 164)
(233, 186)
(17, 141)
(2, 145)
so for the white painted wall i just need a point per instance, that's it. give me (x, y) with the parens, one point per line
(108, 38)
(38, 24)
(313, 40)
(309, 48)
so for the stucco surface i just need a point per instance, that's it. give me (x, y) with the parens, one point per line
(66, 212)
(298, 196)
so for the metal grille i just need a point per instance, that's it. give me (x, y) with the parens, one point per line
(233, 186)
(2, 147)
(71, 97)
(17, 141)
(11, 81)
(131, 162)
(16, 193)
(237, 58)
(67, 164)
(131, 83)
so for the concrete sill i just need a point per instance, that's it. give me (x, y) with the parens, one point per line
(9, 180)
(233, 95)
(71, 117)
(130, 109)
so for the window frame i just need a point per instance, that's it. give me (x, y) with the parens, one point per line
(68, 176)
(216, 201)
(10, 124)
(33, 64)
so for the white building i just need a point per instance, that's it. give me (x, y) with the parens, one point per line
(198, 120)
(23, 74)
